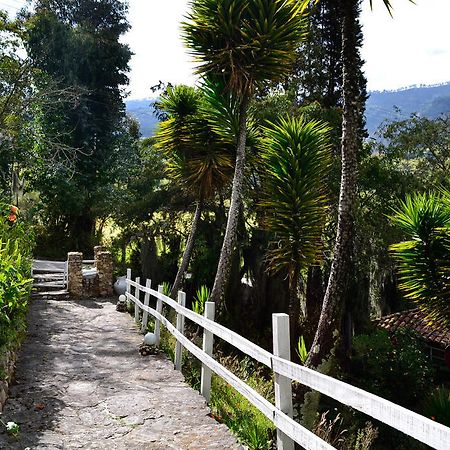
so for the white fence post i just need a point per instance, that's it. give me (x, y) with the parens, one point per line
(148, 284)
(128, 288)
(283, 385)
(137, 295)
(208, 341)
(180, 328)
(157, 321)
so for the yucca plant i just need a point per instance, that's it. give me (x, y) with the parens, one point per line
(201, 297)
(243, 43)
(296, 156)
(424, 260)
(195, 156)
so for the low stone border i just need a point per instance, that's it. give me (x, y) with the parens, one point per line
(7, 367)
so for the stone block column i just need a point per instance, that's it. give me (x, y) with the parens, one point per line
(104, 265)
(75, 274)
(97, 250)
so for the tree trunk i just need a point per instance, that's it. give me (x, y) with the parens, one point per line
(229, 241)
(294, 310)
(331, 315)
(187, 251)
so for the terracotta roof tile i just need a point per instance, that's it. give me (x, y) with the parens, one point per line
(415, 320)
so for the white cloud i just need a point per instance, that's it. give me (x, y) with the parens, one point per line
(155, 38)
(413, 47)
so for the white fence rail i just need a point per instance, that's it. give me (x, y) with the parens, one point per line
(421, 428)
(49, 273)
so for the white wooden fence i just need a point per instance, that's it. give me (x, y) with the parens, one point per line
(421, 428)
(47, 274)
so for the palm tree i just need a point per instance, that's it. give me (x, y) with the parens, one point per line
(296, 156)
(243, 43)
(330, 317)
(195, 157)
(424, 261)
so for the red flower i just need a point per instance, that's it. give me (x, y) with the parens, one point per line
(14, 210)
(12, 217)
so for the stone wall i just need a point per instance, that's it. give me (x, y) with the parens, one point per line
(100, 285)
(104, 265)
(75, 274)
(7, 366)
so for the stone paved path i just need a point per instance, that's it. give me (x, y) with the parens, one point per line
(82, 384)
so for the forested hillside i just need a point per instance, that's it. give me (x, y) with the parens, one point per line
(142, 110)
(428, 101)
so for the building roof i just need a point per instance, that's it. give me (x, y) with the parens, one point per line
(415, 320)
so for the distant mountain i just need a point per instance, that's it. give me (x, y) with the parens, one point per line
(428, 101)
(142, 111)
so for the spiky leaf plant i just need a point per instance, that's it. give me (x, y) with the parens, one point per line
(424, 260)
(296, 156)
(243, 43)
(199, 160)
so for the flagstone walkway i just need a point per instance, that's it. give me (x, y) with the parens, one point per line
(81, 384)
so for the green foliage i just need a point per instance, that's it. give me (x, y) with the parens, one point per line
(384, 365)
(296, 156)
(79, 47)
(166, 288)
(437, 406)
(196, 157)
(221, 109)
(365, 437)
(419, 145)
(15, 251)
(244, 42)
(243, 419)
(301, 350)
(202, 296)
(424, 261)
(12, 428)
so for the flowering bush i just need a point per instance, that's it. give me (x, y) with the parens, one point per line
(16, 244)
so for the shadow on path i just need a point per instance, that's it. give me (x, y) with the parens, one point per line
(80, 383)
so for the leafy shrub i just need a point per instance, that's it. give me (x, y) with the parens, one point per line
(16, 243)
(384, 364)
(437, 406)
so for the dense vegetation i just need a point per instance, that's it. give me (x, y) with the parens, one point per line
(16, 246)
(258, 190)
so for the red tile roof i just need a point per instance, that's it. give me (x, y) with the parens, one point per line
(415, 320)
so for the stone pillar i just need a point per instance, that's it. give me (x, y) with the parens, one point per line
(75, 274)
(104, 265)
(97, 250)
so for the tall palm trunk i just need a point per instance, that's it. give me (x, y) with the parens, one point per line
(187, 251)
(229, 241)
(294, 306)
(331, 315)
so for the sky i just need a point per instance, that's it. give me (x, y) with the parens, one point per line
(410, 49)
